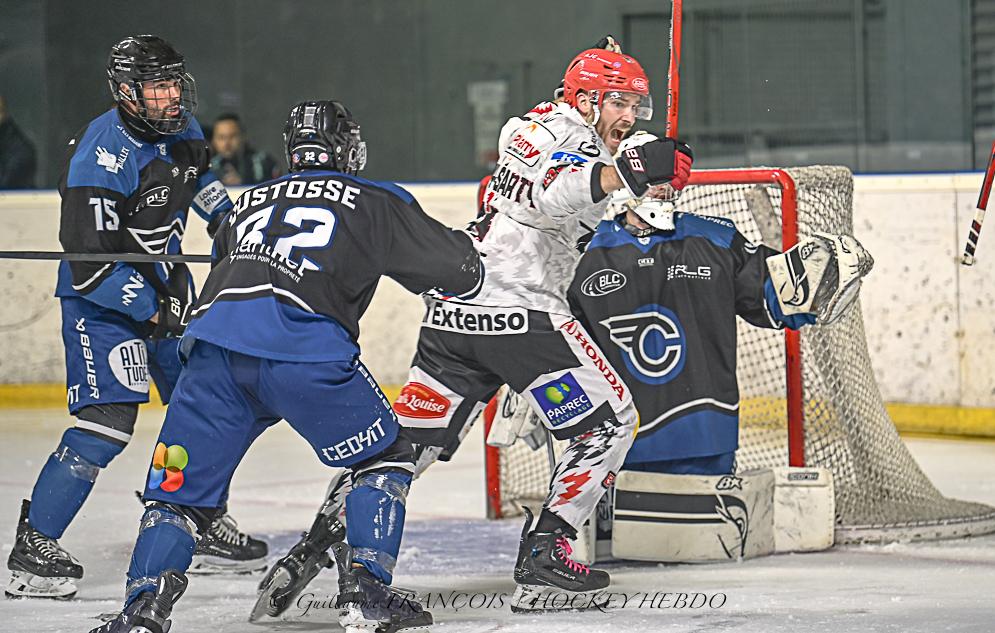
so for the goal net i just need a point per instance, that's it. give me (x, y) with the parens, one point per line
(806, 399)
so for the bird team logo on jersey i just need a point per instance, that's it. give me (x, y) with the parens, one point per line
(653, 343)
(156, 240)
(421, 402)
(168, 463)
(562, 399)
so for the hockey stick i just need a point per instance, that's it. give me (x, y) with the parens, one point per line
(107, 257)
(674, 74)
(979, 214)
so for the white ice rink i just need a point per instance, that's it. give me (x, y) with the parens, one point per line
(943, 586)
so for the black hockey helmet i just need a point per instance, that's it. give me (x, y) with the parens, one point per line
(323, 135)
(147, 59)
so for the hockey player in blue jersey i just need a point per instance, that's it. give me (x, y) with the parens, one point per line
(131, 175)
(661, 291)
(274, 336)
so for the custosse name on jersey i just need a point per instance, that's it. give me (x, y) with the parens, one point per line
(125, 194)
(664, 309)
(297, 262)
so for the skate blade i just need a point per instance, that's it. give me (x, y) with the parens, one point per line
(211, 565)
(279, 579)
(351, 619)
(26, 585)
(545, 599)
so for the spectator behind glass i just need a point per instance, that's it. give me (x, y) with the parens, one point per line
(234, 161)
(17, 154)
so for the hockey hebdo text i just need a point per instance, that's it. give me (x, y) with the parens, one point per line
(457, 601)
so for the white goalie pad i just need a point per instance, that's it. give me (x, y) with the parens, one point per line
(693, 518)
(804, 510)
(514, 420)
(820, 275)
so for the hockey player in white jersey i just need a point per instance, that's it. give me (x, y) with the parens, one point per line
(550, 186)
(551, 183)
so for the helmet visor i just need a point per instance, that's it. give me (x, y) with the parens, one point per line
(640, 105)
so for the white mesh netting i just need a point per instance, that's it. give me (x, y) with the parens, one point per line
(881, 494)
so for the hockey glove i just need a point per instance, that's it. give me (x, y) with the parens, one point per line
(655, 162)
(215, 224)
(820, 275)
(174, 314)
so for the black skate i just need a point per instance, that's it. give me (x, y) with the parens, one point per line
(292, 573)
(226, 550)
(39, 567)
(366, 605)
(549, 580)
(149, 613)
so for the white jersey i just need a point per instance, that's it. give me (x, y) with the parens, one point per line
(541, 202)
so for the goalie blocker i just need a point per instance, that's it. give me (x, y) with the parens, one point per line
(698, 519)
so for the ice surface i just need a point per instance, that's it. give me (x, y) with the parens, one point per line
(448, 547)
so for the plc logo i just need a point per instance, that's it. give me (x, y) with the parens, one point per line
(562, 399)
(168, 463)
(653, 343)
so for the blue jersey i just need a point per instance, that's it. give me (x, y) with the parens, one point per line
(663, 308)
(298, 260)
(122, 193)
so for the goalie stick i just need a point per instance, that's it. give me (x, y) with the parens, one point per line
(979, 214)
(107, 257)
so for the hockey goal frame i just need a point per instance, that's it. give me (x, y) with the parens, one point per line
(792, 338)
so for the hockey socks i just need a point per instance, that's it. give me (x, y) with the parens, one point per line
(375, 520)
(66, 480)
(165, 542)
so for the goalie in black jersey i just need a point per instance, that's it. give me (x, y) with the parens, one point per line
(275, 336)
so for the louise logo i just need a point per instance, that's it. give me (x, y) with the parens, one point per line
(562, 399)
(420, 401)
(168, 463)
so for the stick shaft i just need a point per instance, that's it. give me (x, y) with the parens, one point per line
(106, 257)
(674, 73)
(979, 214)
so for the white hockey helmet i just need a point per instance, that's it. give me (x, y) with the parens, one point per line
(658, 213)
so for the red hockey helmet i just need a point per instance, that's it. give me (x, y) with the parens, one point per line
(599, 72)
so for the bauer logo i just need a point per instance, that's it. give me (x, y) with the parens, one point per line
(467, 319)
(421, 402)
(603, 282)
(129, 362)
(562, 399)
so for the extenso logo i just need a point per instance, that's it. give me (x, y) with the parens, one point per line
(168, 463)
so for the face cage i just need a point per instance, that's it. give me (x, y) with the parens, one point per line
(165, 124)
(357, 156)
(644, 109)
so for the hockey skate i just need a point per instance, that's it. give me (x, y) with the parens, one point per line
(149, 612)
(39, 567)
(226, 550)
(549, 580)
(292, 573)
(366, 605)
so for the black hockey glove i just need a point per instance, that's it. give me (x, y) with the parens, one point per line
(655, 163)
(215, 224)
(174, 314)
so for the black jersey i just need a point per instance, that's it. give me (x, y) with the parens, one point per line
(297, 262)
(123, 194)
(663, 308)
